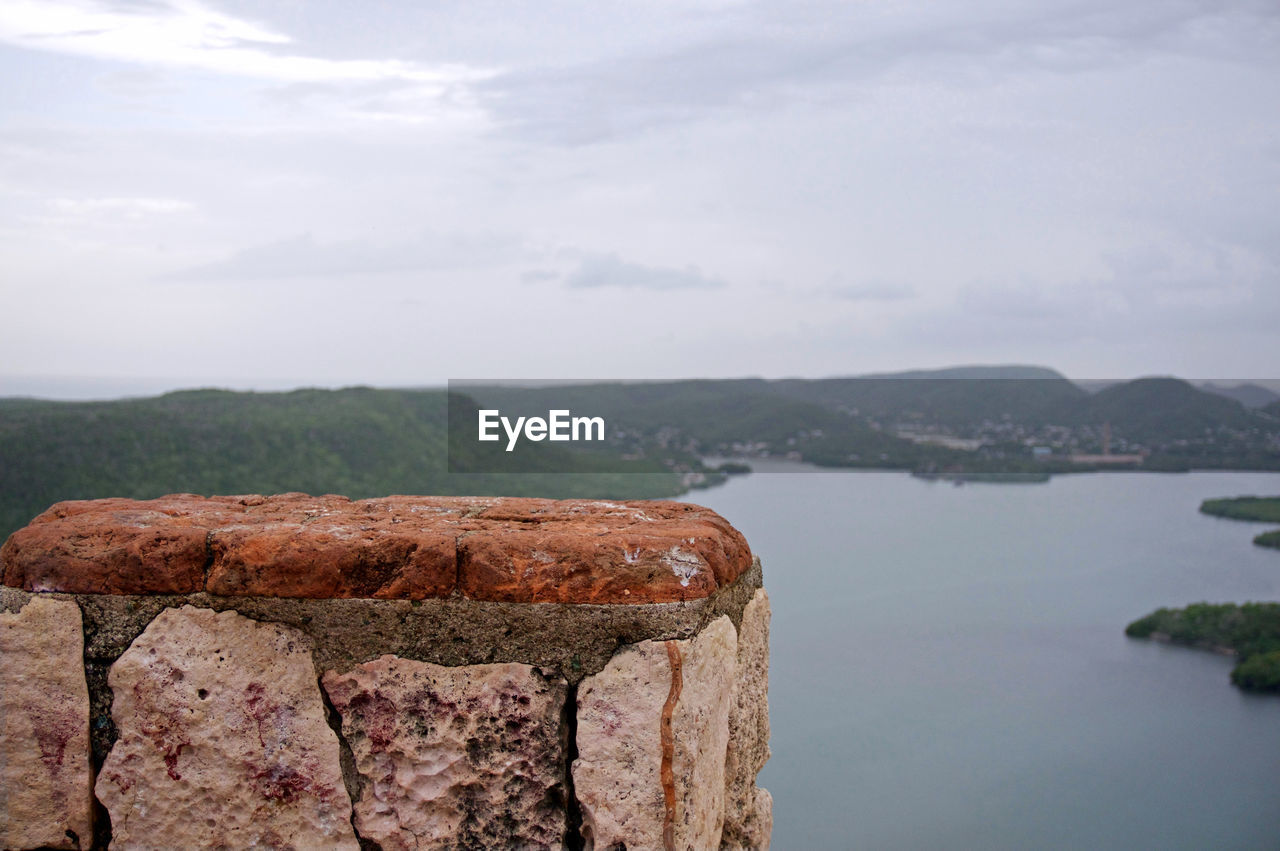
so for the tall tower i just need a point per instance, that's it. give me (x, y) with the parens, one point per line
(1106, 438)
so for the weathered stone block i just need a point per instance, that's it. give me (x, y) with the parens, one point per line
(579, 551)
(653, 729)
(400, 547)
(220, 737)
(45, 788)
(110, 546)
(222, 741)
(332, 558)
(465, 757)
(748, 819)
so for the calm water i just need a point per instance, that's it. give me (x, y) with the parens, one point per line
(949, 668)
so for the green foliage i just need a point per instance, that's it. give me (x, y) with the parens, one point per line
(1159, 410)
(710, 417)
(1264, 509)
(1252, 630)
(955, 401)
(712, 412)
(853, 422)
(362, 442)
(358, 442)
(1259, 673)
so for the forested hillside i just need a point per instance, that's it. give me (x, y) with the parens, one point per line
(358, 442)
(366, 442)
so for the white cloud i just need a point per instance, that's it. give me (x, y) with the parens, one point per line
(189, 34)
(130, 207)
(539, 276)
(1073, 182)
(303, 256)
(873, 291)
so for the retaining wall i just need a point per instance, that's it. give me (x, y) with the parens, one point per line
(407, 672)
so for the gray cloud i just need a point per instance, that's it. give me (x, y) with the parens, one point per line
(303, 256)
(1079, 183)
(812, 51)
(1100, 316)
(539, 276)
(872, 291)
(609, 270)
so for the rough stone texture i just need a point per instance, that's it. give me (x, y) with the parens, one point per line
(618, 775)
(107, 546)
(45, 787)
(748, 809)
(575, 639)
(222, 740)
(402, 547)
(335, 548)
(575, 551)
(466, 757)
(222, 736)
(701, 725)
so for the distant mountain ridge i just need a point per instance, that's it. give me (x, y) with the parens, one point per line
(899, 419)
(1247, 394)
(1011, 371)
(367, 442)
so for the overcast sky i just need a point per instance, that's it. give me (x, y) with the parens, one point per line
(260, 194)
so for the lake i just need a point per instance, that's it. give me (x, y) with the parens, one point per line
(949, 667)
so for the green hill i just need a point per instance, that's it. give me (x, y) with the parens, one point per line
(951, 401)
(1009, 371)
(1158, 410)
(363, 442)
(862, 421)
(1181, 426)
(358, 441)
(718, 417)
(1249, 395)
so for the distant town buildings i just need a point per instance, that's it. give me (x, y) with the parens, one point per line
(1107, 458)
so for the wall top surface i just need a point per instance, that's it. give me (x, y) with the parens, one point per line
(397, 547)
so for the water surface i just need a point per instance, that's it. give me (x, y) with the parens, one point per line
(949, 667)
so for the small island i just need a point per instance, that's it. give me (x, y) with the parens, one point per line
(1262, 509)
(1250, 631)
(1269, 539)
(1257, 509)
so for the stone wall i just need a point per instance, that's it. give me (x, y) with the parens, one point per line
(399, 673)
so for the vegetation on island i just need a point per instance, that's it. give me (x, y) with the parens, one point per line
(1260, 672)
(1251, 631)
(1264, 509)
(1258, 509)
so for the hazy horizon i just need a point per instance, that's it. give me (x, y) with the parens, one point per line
(98, 388)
